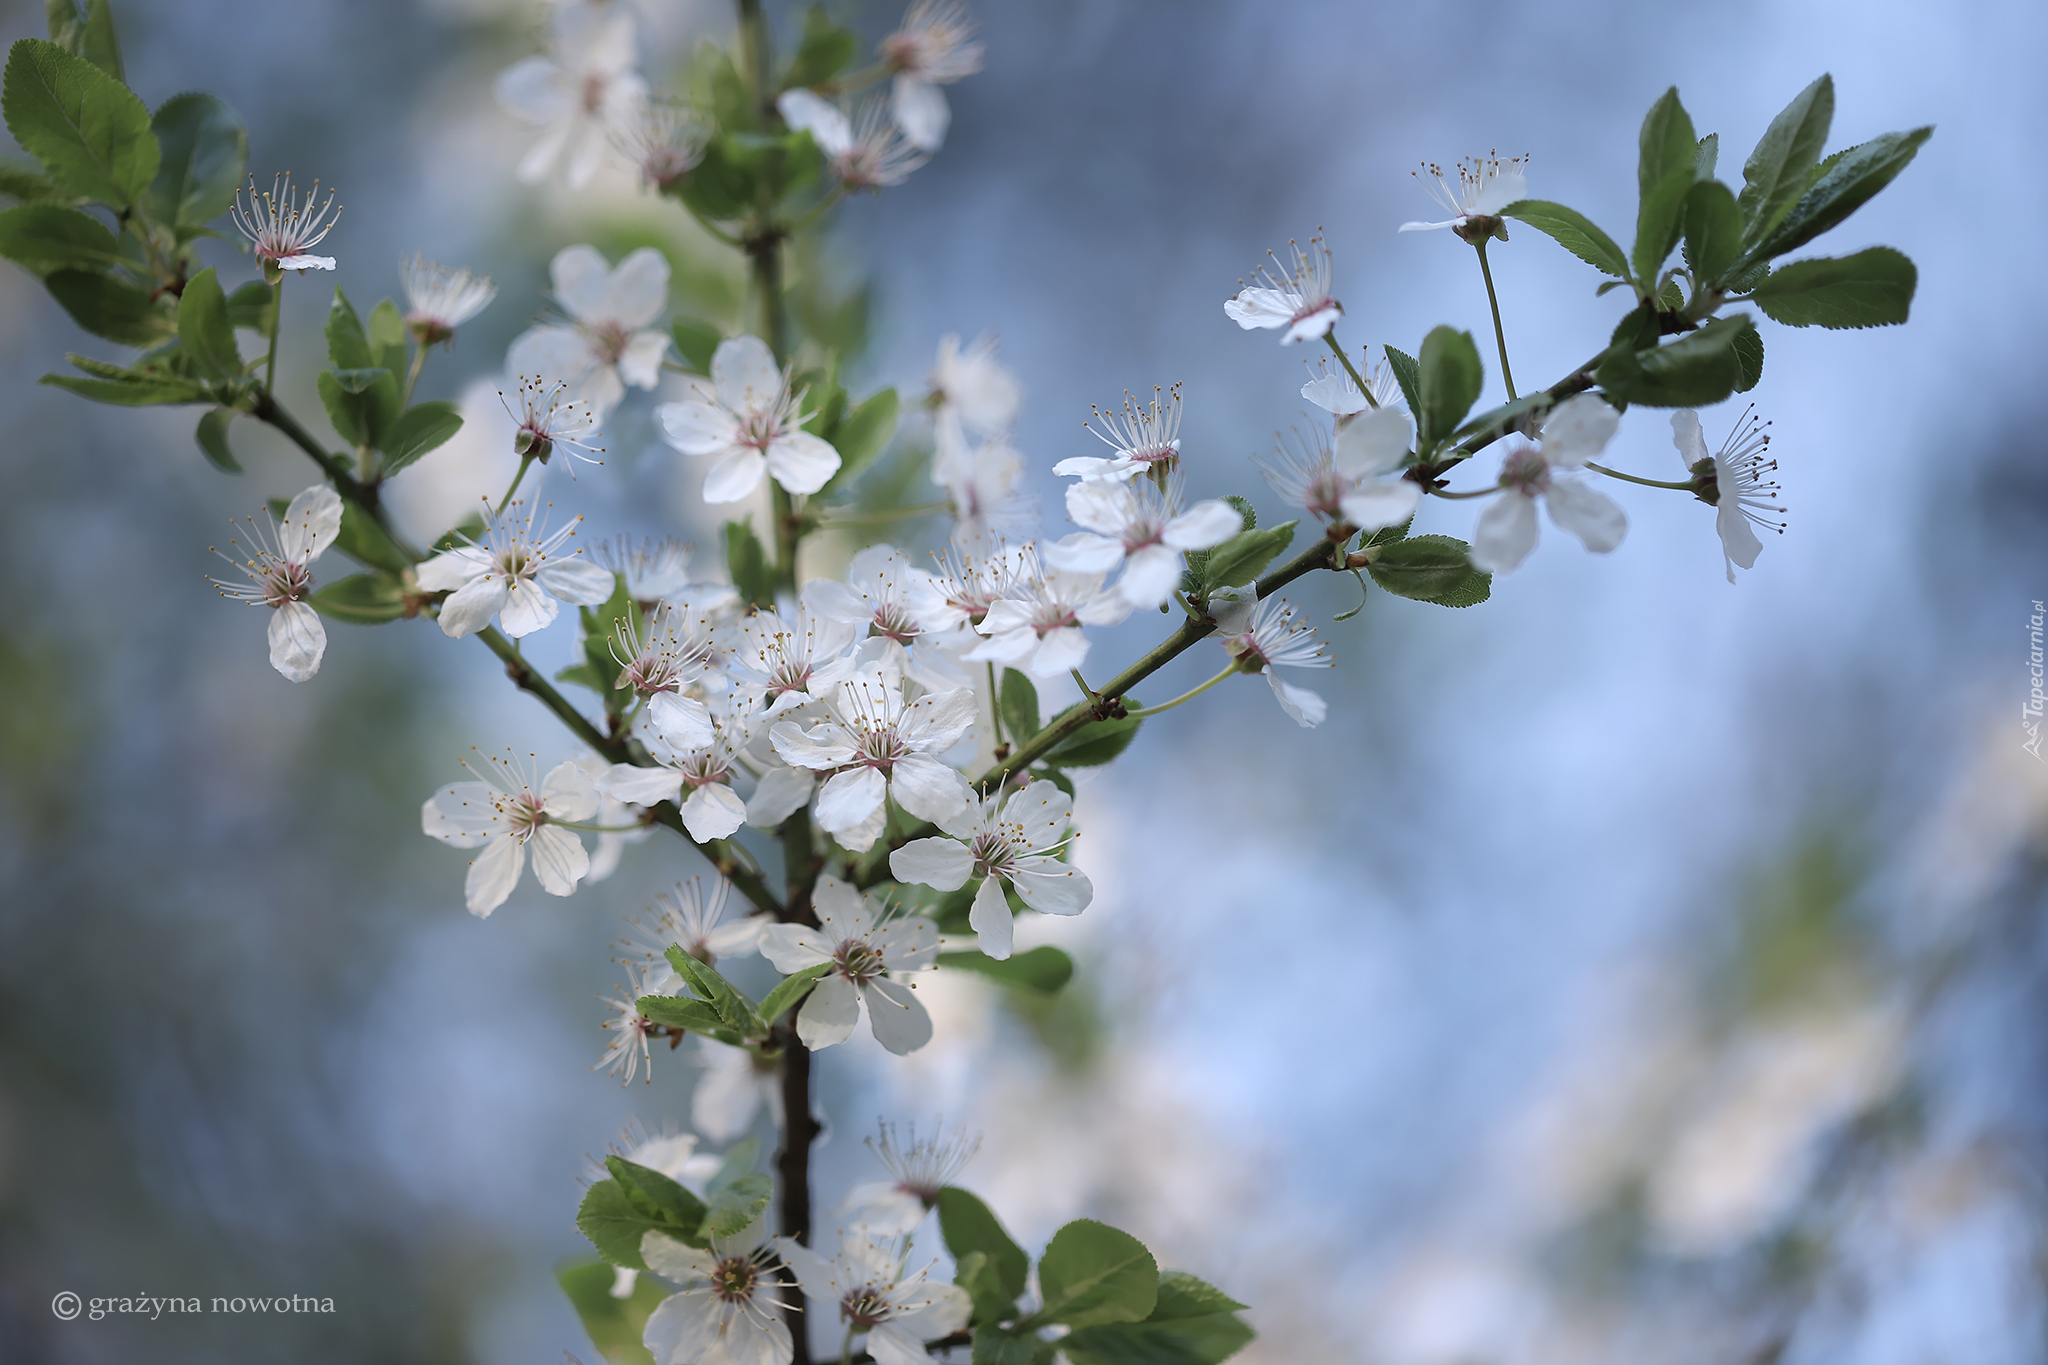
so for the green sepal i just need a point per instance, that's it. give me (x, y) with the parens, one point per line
(967, 1225)
(368, 599)
(789, 991)
(615, 1326)
(696, 342)
(1780, 168)
(419, 429)
(111, 307)
(204, 333)
(1192, 1323)
(1044, 969)
(1450, 379)
(747, 562)
(212, 435)
(362, 404)
(1574, 232)
(90, 131)
(1097, 742)
(1713, 231)
(861, 435)
(734, 1010)
(1408, 374)
(1435, 569)
(47, 237)
(1018, 699)
(205, 155)
(822, 52)
(1092, 1273)
(1872, 288)
(1847, 180)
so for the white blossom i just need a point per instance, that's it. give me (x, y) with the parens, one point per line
(663, 662)
(1037, 627)
(516, 573)
(282, 227)
(972, 392)
(1145, 438)
(606, 343)
(503, 815)
(985, 484)
(706, 768)
(1294, 297)
(658, 569)
(1015, 838)
(279, 577)
(934, 46)
(748, 417)
(688, 917)
(627, 1052)
(866, 948)
(1576, 430)
(870, 1285)
(728, 1310)
(1266, 635)
(441, 298)
(662, 141)
(918, 1170)
(788, 662)
(877, 745)
(879, 600)
(550, 421)
(1334, 390)
(956, 598)
(1485, 185)
(578, 95)
(736, 1084)
(1355, 478)
(1739, 476)
(1139, 524)
(866, 151)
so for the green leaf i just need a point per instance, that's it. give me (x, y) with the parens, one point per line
(249, 306)
(748, 564)
(90, 35)
(1505, 417)
(1243, 557)
(1096, 742)
(1849, 179)
(204, 333)
(696, 342)
(1019, 705)
(387, 333)
(974, 1273)
(1667, 154)
(213, 440)
(1749, 359)
(419, 429)
(735, 1011)
(789, 991)
(27, 184)
(862, 435)
(1777, 171)
(362, 404)
(368, 599)
(109, 306)
(1192, 1323)
(1408, 374)
(1573, 231)
(1695, 371)
(1706, 157)
(46, 237)
(658, 1199)
(613, 1225)
(585, 675)
(998, 1346)
(1713, 231)
(1091, 1273)
(348, 348)
(1044, 969)
(90, 131)
(737, 1205)
(822, 53)
(1431, 569)
(205, 155)
(1873, 288)
(967, 1225)
(679, 1011)
(1451, 377)
(364, 541)
(615, 1326)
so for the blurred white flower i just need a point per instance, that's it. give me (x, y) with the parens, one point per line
(1486, 185)
(865, 948)
(1294, 297)
(1016, 839)
(868, 1281)
(607, 343)
(1144, 439)
(502, 814)
(687, 917)
(1037, 626)
(985, 484)
(662, 141)
(728, 1309)
(918, 1171)
(663, 662)
(281, 226)
(627, 1052)
(736, 1083)
(877, 745)
(514, 573)
(279, 578)
(1357, 478)
(879, 601)
(1738, 474)
(973, 393)
(955, 599)
(578, 94)
(1333, 390)
(748, 417)
(441, 298)
(619, 823)
(866, 152)
(1139, 524)
(1265, 635)
(1576, 430)
(657, 569)
(934, 46)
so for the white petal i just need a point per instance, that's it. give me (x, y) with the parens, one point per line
(639, 786)
(897, 1016)
(807, 112)
(802, 463)
(945, 1311)
(582, 281)
(310, 524)
(890, 1343)
(532, 88)
(1738, 538)
(713, 811)
(910, 944)
(640, 362)
(737, 474)
(578, 580)
(559, 859)
(675, 1260)
(602, 388)
(527, 608)
(304, 262)
(990, 917)
(492, 875)
(1057, 652)
(451, 569)
(924, 787)
(727, 1096)
(638, 290)
(569, 792)
(1314, 327)
(1578, 429)
(780, 793)
(843, 912)
(849, 797)
(939, 863)
(1254, 308)
(1381, 502)
(1373, 443)
(1506, 533)
(1307, 708)
(1687, 436)
(472, 606)
(1596, 519)
(1335, 393)
(1503, 189)
(1083, 552)
(1052, 887)
(745, 372)
(937, 721)
(683, 1328)
(823, 746)
(683, 723)
(297, 641)
(793, 947)
(696, 427)
(919, 108)
(1204, 526)
(1429, 227)
(813, 1272)
(1151, 575)
(829, 1013)
(550, 353)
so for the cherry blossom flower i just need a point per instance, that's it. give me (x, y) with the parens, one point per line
(606, 343)
(985, 484)
(1735, 479)
(1016, 839)
(713, 810)
(578, 94)
(661, 663)
(1485, 185)
(866, 152)
(934, 46)
(748, 417)
(658, 569)
(1265, 635)
(282, 227)
(687, 917)
(516, 573)
(1144, 438)
(728, 1309)
(279, 577)
(866, 947)
(918, 1170)
(662, 141)
(1357, 478)
(1139, 524)
(502, 814)
(879, 598)
(877, 745)
(868, 1281)
(954, 600)
(781, 792)
(627, 1052)
(1334, 391)
(441, 298)
(1576, 430)
(549, 420)
(791, 661)
(1037, 628)
(1294, 297)
(972, 393)
(736, 1084)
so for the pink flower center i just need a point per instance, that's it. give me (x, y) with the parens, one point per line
(284, 582)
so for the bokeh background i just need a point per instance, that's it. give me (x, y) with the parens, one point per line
(1634, 968)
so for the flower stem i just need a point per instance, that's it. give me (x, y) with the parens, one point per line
(1473, 493)
(1082, 683)
(1350, 369)
(1499, 334)
(995, 705)
(1189, 695)
(276, 313)
(846, 1347)
(412, 375)
(885, 515)
(1686, 487)
(524, 461)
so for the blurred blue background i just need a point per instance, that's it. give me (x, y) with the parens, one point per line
(1634, 968)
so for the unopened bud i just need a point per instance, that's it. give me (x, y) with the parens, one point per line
(531, 445)
(1706, 482)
